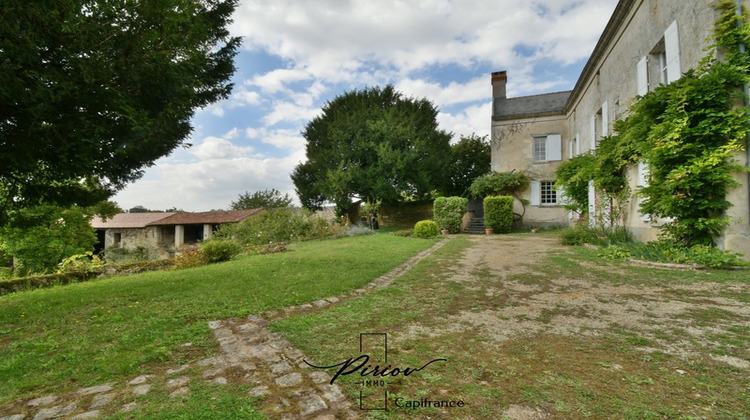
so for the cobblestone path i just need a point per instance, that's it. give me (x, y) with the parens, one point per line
(251, 354)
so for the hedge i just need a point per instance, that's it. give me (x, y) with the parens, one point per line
(449, 212)
(498, 213)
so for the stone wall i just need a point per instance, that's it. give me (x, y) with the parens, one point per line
(404, 215)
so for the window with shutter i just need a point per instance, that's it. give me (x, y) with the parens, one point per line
(548, 195)
(547, 148)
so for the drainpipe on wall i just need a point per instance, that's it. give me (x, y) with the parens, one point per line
(747, 103)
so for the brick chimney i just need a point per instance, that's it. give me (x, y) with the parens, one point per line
(499, 79)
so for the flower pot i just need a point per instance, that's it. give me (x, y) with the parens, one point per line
(444, 231)
(489, 231)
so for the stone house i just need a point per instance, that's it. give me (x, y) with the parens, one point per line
(645, 43)
(160, 235)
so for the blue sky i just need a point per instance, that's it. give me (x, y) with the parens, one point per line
(296, 55)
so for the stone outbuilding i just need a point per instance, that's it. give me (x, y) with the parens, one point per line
(645, 43)
(160, 235)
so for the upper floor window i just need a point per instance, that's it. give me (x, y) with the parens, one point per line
(547, 148)
(662, 64)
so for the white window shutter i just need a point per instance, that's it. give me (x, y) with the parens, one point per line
(571, 146)
(592, 204)
(672, 49)
(536, 193)
(605, 119)
(593, 132)
(554, 147)
(642, 76)
(642, 182)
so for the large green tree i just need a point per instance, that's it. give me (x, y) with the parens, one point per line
(470, 159)
(93, 91)
(42, 236)
(372, 144)
(266, 199)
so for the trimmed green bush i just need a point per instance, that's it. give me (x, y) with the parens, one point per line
(220, 250)
(426, 229)
(449, 211)
(498, 213)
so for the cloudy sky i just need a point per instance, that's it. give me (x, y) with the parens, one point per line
(297, 55)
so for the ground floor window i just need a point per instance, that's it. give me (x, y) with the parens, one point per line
(548, 193)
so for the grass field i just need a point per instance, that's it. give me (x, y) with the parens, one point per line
(529, 329)
(111, 330)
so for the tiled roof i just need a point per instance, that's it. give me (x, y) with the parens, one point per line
(208, 218)
(534, 105)
(128, 220)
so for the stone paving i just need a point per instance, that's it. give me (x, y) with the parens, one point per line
(251, 354)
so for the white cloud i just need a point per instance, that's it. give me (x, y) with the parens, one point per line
(212, 148)
(332, 45)
(334, 41)
(471, 120)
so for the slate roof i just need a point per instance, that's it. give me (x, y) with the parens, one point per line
(530, 106)
(206, 218)
(128, 220)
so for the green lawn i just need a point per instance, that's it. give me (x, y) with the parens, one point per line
(111, 330)
(57, 340)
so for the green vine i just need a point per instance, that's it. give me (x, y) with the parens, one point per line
(688, 133)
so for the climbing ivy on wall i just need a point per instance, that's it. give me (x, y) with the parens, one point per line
(687, 132)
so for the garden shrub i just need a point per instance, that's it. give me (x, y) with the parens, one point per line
(671, 251)
(278, 225)
(449, 212)
(82, 263)
(355, 230)
(499, 183)
(584, 234)
(498, 213)
(189, 258)
(426, 229)
(614, 253)
(220, 250)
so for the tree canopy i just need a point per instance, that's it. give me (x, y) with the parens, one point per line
(93, 91)
(470, 159)
(266, 199)
(372, 144)
(42, 236)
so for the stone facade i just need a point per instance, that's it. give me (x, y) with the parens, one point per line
(646, 42)
(162, 235)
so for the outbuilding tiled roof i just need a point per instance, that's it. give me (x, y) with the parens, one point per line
(534, 105)
(205, 218)
(141, 220)
(128, 220)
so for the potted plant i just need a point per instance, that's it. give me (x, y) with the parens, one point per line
(489, 231)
